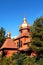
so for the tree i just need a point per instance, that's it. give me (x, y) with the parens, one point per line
(2, 36)
(19, 58)
(37, 35)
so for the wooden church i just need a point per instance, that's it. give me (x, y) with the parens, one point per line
(20, 43)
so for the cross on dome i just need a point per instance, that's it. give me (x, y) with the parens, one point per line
(24, 20)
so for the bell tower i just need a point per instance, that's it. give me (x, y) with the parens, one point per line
(24, 27)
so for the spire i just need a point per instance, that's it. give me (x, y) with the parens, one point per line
(8, 34)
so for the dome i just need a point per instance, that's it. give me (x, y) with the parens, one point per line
(24, 24)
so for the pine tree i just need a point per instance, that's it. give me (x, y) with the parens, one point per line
(2, 36)
(37, 35)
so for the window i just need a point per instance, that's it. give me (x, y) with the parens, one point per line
(28, 30)
(19, 44)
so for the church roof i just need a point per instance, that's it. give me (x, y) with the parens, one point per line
(22, 35)
(9, 44)
(24, 24)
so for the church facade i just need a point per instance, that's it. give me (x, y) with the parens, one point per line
(21, 43)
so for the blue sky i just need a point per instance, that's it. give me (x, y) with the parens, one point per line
(12, 13)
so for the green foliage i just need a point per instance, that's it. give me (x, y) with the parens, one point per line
(2, 36)
(37, 34)
(19, 58)
(23, 59)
